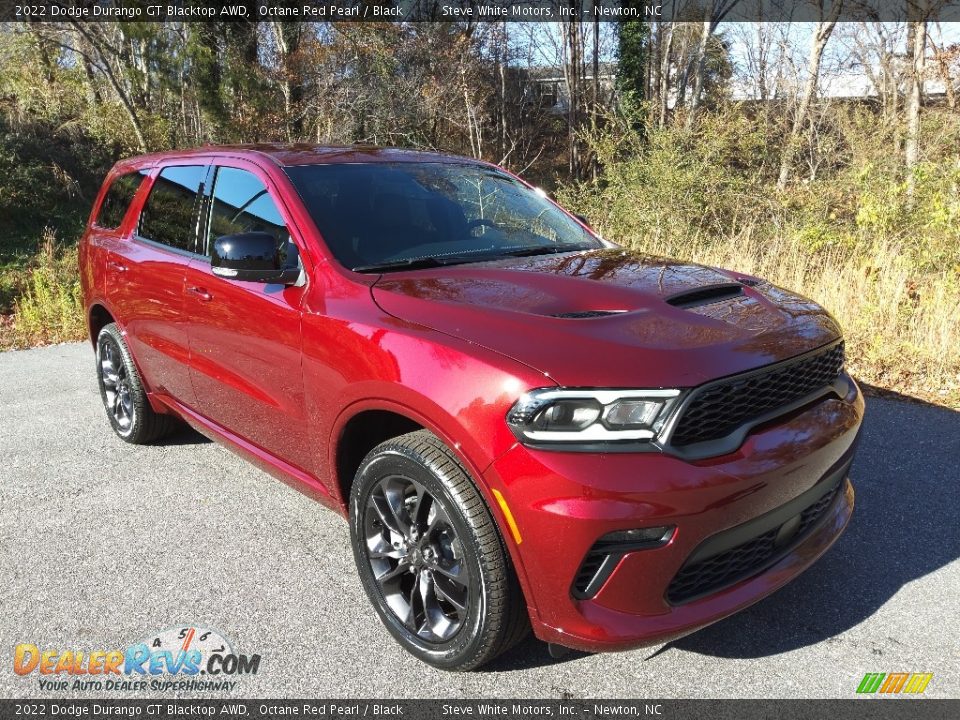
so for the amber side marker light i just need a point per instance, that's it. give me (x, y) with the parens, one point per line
(511, 523)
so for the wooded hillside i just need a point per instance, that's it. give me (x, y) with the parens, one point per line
(824, 155)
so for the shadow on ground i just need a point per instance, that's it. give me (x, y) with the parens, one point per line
(531, 653)
(184, 435)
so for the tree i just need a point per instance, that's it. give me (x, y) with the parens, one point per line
(633, 38)
(764, 48)
(287, 37)
(874, 46)
(946, 56)
(916, 51)
(714, 12)
(573, 72)
(661, 62)
(818, 43)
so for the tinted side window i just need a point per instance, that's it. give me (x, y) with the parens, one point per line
(241, 203)
(118, 199)
(171, 212)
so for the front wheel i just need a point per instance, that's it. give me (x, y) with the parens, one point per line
(430, 556)
(123, 394)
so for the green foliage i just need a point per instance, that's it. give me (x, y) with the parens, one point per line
(51, 307)
(56, 145)
(886, 264)
(674, 182)
(49, 177)
(720, 178)
(633, 47)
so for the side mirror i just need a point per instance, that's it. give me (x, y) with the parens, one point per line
(250, 256)
(583, 219)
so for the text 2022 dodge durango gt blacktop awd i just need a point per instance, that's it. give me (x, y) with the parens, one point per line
(525, 424)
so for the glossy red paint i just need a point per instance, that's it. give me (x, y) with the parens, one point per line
(279, 375)
(565, 502)
(647, 342)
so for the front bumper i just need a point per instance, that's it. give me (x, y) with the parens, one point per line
(563, 503)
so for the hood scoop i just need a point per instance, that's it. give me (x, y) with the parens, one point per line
(705, 295)
(586, 314)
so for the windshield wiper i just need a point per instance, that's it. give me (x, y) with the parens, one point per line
(551, 249)
(412, 264)
(419, 263)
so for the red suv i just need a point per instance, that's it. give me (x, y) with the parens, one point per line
(524, 423)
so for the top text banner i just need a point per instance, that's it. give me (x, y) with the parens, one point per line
(473, 11)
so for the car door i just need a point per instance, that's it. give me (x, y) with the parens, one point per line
(245, 340)
(145, 278)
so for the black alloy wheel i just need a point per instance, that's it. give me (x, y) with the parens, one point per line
(416, 558)
(123, 394)
(430, 556)
(116, 386)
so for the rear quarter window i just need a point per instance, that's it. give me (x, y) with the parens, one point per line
(117, 200)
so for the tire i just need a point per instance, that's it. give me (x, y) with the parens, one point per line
(123, 394)
(430, 556)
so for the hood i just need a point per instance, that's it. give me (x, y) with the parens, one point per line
(611, 318)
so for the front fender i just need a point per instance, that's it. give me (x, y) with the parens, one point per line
(458, 391)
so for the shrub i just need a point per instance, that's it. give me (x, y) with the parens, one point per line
(886, 265)
(50, 308)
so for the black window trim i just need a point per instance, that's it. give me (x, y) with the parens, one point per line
(154, 174)
(207, 209)
(163, 246)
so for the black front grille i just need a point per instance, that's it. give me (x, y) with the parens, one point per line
(809, 517)
(745, 560)
(719, 408)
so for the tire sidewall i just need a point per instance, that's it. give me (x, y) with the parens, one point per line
(469, 638)
(110, 334)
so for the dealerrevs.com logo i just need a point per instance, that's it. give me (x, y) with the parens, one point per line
(178, 659)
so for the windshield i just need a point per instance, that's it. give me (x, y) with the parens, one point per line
(382, 216)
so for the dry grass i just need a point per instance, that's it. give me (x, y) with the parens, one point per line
(902, 328)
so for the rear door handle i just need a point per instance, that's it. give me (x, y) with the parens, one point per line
(200, 293)
(114, 265)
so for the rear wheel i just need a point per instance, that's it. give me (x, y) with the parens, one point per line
(430, 557)
(123, 394)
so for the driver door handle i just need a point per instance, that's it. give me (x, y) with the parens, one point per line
(200, 292)
(114, 265)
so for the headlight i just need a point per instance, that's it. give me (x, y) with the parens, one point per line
(552, 415)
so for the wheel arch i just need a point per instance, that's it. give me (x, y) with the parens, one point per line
(405, 416)
(98, 317)
(358, 435)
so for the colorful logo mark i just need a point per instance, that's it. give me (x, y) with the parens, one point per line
(187, 652)
(894, 683)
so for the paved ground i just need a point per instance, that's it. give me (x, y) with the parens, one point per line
(102, 543)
